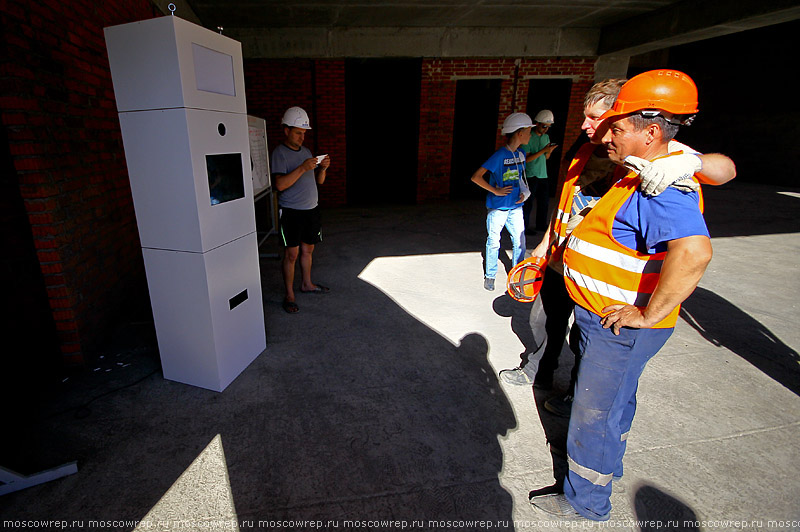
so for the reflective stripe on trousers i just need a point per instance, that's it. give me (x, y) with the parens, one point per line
(603, 408)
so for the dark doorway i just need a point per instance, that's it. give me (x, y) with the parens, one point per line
(553, 94)
(474, 133)
(382, 114)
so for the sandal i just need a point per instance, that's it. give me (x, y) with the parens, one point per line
(318, 290)
(290, 306)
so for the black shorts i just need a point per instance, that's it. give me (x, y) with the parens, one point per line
(300, 226)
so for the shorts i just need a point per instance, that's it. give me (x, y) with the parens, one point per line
(300, 226)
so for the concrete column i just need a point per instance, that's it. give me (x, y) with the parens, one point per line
(611, 66)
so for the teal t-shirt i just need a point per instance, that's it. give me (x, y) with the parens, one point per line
(537, 167)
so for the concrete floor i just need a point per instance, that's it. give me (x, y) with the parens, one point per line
(378, 406)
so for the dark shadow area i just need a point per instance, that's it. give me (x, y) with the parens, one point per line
(382, 94)
(761, 155)
(724, 324)
(474, 133)
(527, 324)
(356, 410)
(739, 209)
(552, 94)
(657, 510)
(31, 358)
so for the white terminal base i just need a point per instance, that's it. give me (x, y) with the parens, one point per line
(208, 311)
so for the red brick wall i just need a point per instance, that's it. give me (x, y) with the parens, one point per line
(438, 97)
(329, 117)
(319, 87)
(60, 118)
(274, 85)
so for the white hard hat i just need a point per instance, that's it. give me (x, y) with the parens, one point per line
(544, 116)
(295, 117)
(516, 121)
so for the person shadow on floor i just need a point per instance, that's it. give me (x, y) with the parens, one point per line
(527, 322)
(725, 325)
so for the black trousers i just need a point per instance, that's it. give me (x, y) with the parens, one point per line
(557, 306)
(539, 194)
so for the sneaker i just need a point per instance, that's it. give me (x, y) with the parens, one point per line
(560, 406)
(557, 505)
(488, 284)
(516, 376)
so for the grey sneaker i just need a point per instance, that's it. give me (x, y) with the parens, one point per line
(560, 406)
(516, 376)
(488, 284)
(557, 505)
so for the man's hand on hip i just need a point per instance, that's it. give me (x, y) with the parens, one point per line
(624, 316)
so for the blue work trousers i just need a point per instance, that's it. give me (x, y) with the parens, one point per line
(603, 408)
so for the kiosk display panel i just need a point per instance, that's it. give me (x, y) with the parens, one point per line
(225, 177)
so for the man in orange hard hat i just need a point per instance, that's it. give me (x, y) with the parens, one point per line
(628, 266)
(590, 176)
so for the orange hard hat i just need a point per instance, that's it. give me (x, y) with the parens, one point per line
(525, 279)
(666, 90)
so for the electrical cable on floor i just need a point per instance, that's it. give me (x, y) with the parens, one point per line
(83, 411)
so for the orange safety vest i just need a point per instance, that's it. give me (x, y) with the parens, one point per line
(563, 210)
(599, 271)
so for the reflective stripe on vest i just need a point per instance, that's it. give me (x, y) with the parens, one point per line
(599, 271)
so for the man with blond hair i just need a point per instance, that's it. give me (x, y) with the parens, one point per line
(628, 265)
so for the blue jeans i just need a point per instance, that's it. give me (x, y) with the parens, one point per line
(495, 221)
(603, 408)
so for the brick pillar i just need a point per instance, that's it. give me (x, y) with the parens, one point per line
(436, 115)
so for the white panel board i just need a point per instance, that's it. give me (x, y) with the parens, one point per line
(259, 155)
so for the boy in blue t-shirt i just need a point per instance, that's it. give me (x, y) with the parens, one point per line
(504, 198)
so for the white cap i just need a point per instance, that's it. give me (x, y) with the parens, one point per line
(545, 116)
(516, 121)
(295, 117)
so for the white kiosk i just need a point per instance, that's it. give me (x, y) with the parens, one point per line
(180, 95)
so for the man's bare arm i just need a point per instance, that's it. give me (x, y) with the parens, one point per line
(717, 169)
(284, 181)
(684, 265)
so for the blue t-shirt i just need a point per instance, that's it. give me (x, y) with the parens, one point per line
(646, 224)
(503, 169)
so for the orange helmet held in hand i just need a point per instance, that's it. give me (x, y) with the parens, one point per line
(666, 90)
(525, 279)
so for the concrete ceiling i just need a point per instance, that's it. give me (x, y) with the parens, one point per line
(476, 28)
(421, 13)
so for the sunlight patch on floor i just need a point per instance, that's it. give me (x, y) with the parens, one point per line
(201, 498)
(445, 291)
